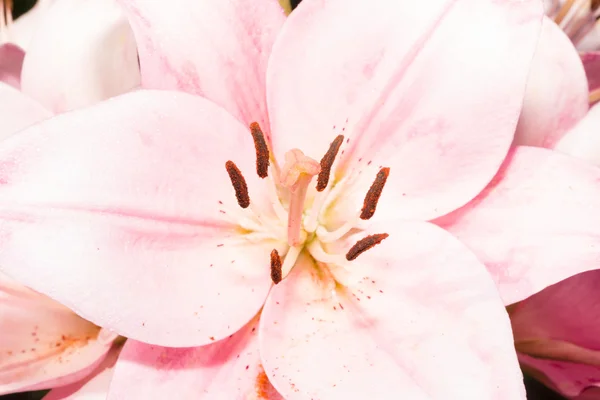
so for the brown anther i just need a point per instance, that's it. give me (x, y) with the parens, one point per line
(276, 274)
(239, 184)
(327, 163)
(374, 193)
(262, 150)
(365, 244)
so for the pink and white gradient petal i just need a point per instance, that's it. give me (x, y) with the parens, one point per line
(82, 53)
(533, 225)
(228, 369)
(557, 90)
(213, 48)
(583, 141)
(433, 87)
(18, 111)
(139, 226)
(418, 316)
(11, 63)
(95, 386)
(44, 344)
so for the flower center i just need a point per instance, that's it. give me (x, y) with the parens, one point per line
(297, 209)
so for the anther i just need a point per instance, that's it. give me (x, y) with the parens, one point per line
(374, 193)
(276, 274)
(262, 151)
(239, 184)
(327, 163)
(365, 244)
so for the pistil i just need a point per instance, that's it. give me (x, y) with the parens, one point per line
(296, 175)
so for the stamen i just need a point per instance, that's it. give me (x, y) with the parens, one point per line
(564, 10)
(327, 163)
(239, 184)
(372, 197)
(262, 151)
(365, 244)
(276, 274)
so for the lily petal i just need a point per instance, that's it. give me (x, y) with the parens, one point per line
(565, 319)
(535, 224)
(231, 42)
(18, 111)
(419, 317)
(83, 52)
(44, 344)
(557, 90)
(583, 140)
(11, 62)
(140, 226)
(228, 369)
(434, 87)
(591, 64)
(94, 387)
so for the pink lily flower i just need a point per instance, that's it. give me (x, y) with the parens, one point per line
(198, 234)
(43, 343)
(556, 329)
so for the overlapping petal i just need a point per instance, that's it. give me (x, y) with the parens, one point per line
(95, 386)
(228, 369)
(18, 111)
(535, 224)
(126, 204)
(583, 141)
(11, 62)
(44, 344)
(591, 64)
(557, 90)
(83, 52)
(434, 90)
(419, 317)
(217, 49)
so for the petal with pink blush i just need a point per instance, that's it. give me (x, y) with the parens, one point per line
(11, 62)
(583, 141)
(95, 386)
(141, 226)
(561, 324)
(418, 316)
(433, 87)
(228, 369)
(557, 90)
(82, 53)
(18, 111)
(213, 48)
(43, 343)
(591, 64)
(535, 224)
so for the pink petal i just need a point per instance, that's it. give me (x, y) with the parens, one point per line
(94, 387)
(125, 204)
(591, 64)
(11, 62)
(214, 48)
(228, 369)
(535, 224)
(565, 315)
(433, 87)
(44, 344)
(583, 140)
(18, 111)
(569, 379)
(420, 317)
(557, 92)
(83, 52)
